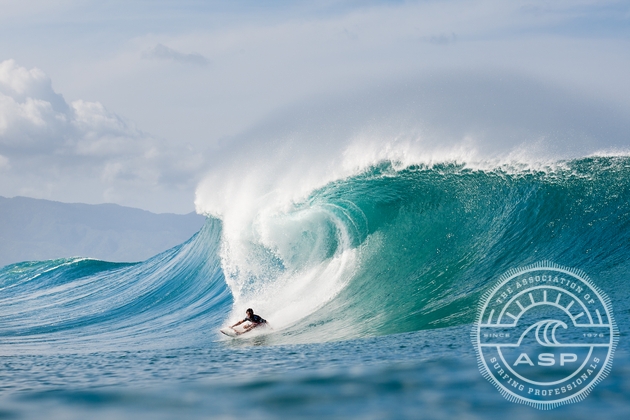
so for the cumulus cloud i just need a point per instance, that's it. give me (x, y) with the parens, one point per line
(80, 151)
(162, 52)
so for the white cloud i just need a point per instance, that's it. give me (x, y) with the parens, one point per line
(4, 162)
(162, 52)
(81, 151)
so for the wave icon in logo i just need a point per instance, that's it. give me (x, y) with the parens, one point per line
(548, 335)
(545, 335)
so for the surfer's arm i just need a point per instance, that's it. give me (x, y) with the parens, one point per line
(238, 323)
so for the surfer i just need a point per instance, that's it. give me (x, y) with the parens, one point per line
(254, 321)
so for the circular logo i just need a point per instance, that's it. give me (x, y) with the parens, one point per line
(545, 335)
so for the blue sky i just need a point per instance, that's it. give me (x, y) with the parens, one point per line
(156, 93)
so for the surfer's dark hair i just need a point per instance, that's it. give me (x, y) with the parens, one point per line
(249, 310)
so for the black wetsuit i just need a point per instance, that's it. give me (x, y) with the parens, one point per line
(255, 319)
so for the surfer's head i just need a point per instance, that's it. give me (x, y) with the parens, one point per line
(249, 312)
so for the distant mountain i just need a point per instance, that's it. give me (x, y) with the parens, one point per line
(32, 229)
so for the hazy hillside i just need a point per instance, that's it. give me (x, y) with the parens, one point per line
(32, 229)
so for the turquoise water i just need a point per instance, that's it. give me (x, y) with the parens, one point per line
(371, 284)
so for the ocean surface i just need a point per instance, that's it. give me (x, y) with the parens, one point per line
(371, 285)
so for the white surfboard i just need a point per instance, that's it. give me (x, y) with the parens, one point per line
(228, 331)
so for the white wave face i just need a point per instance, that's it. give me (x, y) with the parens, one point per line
(287, 265)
